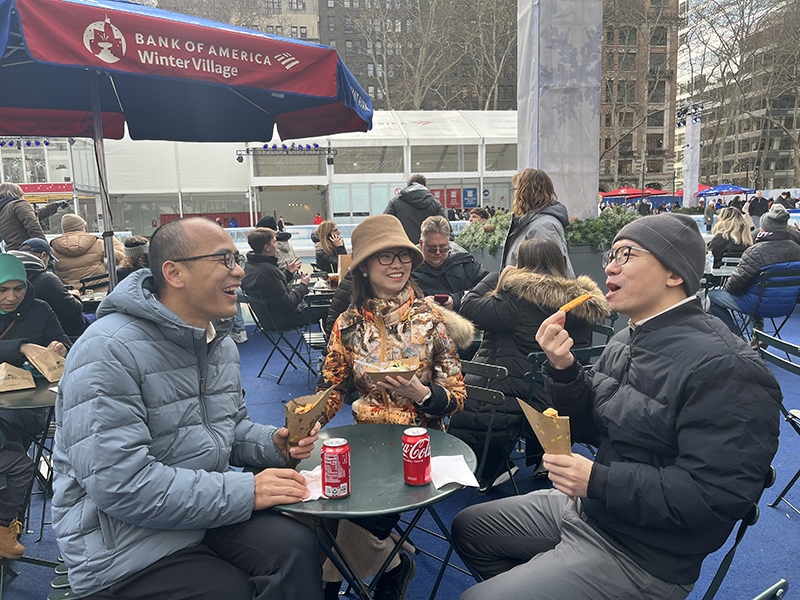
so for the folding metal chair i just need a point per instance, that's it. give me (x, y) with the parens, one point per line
(259, 309)
(774, 592)
(750, 519)
(775, 296)
(792, 365)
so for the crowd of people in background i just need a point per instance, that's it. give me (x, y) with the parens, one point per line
(175, 510)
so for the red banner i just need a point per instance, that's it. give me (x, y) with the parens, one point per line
(58, 123)
(454, 198)
(438, 195)
(66, 33)
(46, 188)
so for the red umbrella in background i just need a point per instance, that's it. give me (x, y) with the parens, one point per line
(648, 192)
(623, 191)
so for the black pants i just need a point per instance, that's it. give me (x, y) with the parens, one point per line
(269, 557)
(19, 470)
(23, 425)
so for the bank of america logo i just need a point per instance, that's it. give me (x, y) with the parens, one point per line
(287, 60)
(104, 41)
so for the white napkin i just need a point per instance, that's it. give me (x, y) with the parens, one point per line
(313, 483)
(448, 469)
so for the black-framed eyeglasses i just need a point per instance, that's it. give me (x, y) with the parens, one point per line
(229, 259)
(621, 255)
(437, 249)
(387, 258)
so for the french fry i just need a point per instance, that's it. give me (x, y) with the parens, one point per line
(572, 304)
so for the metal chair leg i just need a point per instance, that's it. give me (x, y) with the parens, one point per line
(785, 491)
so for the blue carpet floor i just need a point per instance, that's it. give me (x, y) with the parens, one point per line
(770, 550)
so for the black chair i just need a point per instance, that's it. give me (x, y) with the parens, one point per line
(766, 346)
(259, 309)
(773, 299)
(486, 396)
(93, 283)
(750, 519)
(774, 592)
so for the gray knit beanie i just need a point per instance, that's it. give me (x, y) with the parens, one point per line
(676, 242)
(777, 219)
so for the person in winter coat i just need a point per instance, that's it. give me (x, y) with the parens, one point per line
(731, 235)
(687, 417)
(708, 215)
(388, 319)
(537, 214)
(18, 220)
(773, 246)
(328, 244)
(413, 205)
(263, 277)
(509, 307)
(27, 328)
(448, 270)
(286, 253)
(36, 255)
(150, 421)
(82, 254)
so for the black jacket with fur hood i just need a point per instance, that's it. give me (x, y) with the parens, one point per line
(510, 318)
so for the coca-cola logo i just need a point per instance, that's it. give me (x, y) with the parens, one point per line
(418, 450)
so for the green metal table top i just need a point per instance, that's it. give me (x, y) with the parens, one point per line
(38, 397)
(376, 473)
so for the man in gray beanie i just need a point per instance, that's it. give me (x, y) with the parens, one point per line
(773, 246)
(667, 394)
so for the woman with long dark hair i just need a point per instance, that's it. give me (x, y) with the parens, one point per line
(537, 214)
(509, 307)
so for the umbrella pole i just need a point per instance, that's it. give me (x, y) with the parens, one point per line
(100, 157)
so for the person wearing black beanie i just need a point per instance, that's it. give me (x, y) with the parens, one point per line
(668, 393)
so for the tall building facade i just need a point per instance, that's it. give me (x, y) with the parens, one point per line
(640, 47)
(744, 72)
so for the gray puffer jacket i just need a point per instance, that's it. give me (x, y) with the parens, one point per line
(548, 223)
(150, 418)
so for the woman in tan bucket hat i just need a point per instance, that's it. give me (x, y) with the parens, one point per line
(389, 319)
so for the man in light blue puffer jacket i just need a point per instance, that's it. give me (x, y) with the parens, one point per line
(150, 419)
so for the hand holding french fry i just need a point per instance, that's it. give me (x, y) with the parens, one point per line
(556, 341)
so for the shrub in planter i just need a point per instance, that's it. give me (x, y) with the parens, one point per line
(599, 232)
(490, 235)
(689, 210)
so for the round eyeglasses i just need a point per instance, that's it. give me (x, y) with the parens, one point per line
(621, 255)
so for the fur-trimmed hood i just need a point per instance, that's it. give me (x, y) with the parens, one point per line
(460, 330)
(553, 292)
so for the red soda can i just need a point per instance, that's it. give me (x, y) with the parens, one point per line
(335, 468)
(416, 456)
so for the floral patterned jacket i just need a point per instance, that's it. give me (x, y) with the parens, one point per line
(383, 330)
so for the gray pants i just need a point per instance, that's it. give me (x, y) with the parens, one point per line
(538, 546)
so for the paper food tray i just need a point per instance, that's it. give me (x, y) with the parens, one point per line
(378, 372)
(552, 432)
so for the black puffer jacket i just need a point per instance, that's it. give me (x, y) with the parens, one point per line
(457, 275)
(413, 205)
(51, 289)
(510, 319)
(722, 246)
(34, 323)
(771, 248)
(262, 275)
(325, 262)
(340, 302)
(688, 421)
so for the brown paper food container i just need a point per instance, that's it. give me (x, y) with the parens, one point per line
(50, 364)
(552, 432)
(378, 372)
(345, 260)
(13, 378)
(300, 425)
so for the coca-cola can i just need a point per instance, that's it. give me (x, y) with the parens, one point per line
(336, 468)
(416, 456)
